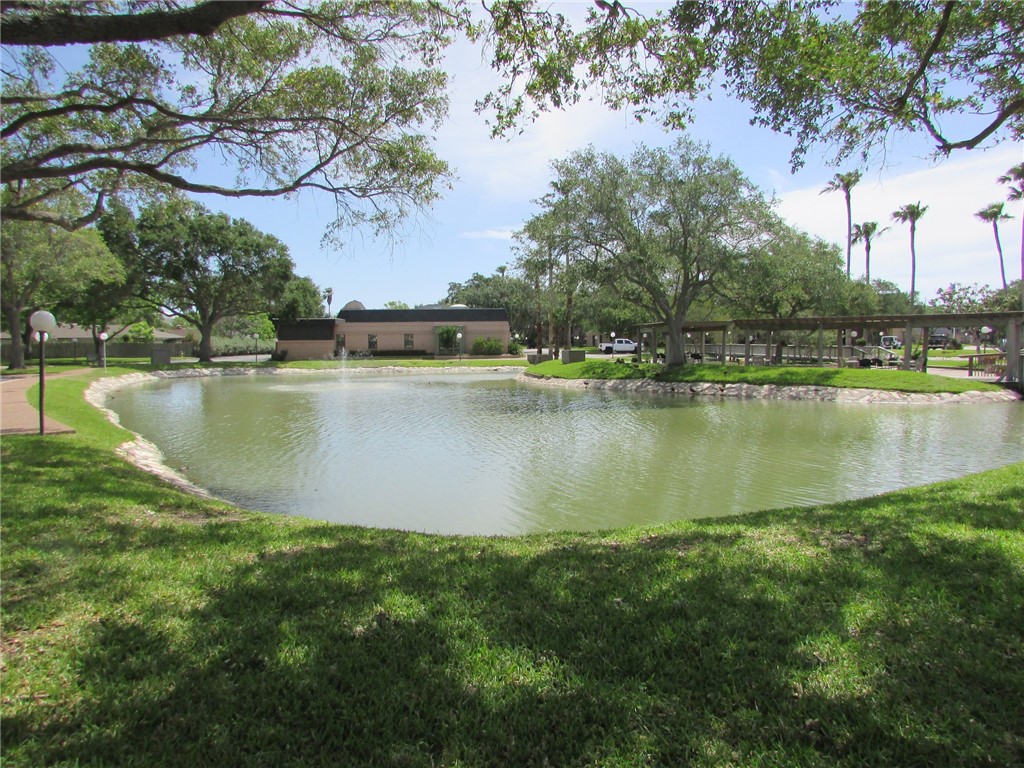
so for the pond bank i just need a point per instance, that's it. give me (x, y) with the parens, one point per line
(772, 391)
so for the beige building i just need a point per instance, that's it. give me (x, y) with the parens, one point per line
(442, 330)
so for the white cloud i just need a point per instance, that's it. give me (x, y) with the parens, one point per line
(488, 234)
(517, 168)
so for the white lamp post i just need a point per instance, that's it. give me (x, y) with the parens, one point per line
(256, 347)
(103, 348)
(43, 323)
(458, 336)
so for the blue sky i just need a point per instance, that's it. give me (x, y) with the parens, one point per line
(470, 229)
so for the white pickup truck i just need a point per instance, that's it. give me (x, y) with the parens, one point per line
(624, 346)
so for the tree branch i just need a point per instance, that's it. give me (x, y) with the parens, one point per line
(1014, 107)
(940, 32)
(50, 29)
(35, 213)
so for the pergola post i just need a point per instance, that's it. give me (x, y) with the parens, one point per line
(725, 336)
(746, 347)
(908, 338)
(821, 344)
(839, 348)
(1014, 340)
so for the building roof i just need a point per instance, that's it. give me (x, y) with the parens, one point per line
(427, 315)
(70, 331)
(948, 320)
(306, 329)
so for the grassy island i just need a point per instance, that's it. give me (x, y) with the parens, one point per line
(143, 626)
(866, 378)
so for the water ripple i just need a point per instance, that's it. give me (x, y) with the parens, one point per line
(482, 454)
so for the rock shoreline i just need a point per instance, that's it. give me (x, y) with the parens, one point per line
(772, 391)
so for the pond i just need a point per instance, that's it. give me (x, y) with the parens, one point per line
(480, 453)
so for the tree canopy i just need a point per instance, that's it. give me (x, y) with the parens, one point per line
(42, 265)
(104, 302)
(509, 292)
(659, 228)
(204, 267)
(338, 96)
(301, 298)
(334, 97)
(821, 71)
(786, 275)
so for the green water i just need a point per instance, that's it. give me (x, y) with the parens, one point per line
(482, 453)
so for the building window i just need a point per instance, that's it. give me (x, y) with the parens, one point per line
(371, 341)
(408, 341)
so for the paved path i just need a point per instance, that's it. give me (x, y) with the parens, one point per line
(20, 417)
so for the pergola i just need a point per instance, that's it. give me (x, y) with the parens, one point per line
(1013, 322)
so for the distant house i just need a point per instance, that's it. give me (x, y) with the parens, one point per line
(81, 333)
(425, 331)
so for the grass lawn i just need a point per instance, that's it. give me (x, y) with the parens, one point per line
(948, 362)
(142, 626)
(868, 378)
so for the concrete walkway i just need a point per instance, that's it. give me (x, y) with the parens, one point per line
(18, 416)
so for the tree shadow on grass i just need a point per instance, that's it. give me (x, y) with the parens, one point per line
(883, 631)
(82, 480)
(704, 645)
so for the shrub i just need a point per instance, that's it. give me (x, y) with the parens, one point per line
(241, 345)
(486, 346)
(138, 333)
(446, 339)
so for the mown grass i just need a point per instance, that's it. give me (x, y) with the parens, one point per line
(948, 362)
(867, 378)
(143, 626)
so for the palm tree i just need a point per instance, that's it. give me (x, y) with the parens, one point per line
(865, 232)
(329, 295)
(1015, 178)
(911, 212)
(994, 213)
(845, 182)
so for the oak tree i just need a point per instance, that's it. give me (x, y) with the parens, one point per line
(42, 265)
(204, 266)
(659, 228)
